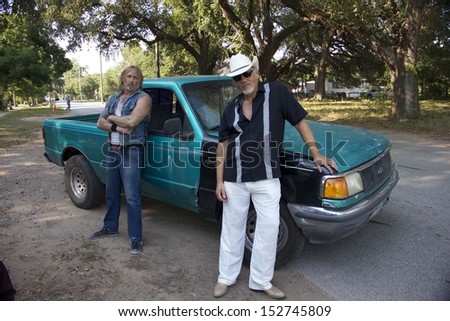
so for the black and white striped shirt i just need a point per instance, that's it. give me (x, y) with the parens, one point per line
(253, 149)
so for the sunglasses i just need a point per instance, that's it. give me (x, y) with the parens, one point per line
(245, 74)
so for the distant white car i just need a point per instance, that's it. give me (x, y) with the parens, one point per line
(374, 93)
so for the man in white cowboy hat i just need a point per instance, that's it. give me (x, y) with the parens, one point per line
(247, 169)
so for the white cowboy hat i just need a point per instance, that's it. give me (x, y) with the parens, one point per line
(240, 64)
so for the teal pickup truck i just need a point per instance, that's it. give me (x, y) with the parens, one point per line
(180, 157)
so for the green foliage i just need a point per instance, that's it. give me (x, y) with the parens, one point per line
(90, 87)
(148, 22)
(111, 81)
(433, 67)
(30, 60)
(134, 54)
(197, 36)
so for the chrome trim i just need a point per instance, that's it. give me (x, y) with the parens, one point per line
(326, 224)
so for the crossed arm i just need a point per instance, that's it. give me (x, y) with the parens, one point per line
(127, 123)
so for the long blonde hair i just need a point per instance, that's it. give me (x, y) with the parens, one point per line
(125, 71)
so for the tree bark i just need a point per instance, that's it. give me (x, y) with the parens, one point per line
(397, 72)
(412, 32)
(405, 103)
(321, 69)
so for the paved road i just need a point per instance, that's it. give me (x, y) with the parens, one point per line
(81, 108)
(404, 254)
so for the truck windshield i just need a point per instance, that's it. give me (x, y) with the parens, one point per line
(208, 99)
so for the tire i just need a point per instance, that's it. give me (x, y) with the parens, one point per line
(82, 184)
(290, 238)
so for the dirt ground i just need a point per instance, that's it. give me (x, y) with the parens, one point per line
(45, 247)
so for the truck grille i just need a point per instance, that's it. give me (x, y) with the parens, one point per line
(376, 173)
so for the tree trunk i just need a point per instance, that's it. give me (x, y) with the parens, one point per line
(412, 31)
(405, 103)
(321, 69)
(412, 106)
(397, 72)
(319, 84)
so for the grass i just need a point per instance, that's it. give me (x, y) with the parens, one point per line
(374, 115)
(20, 126)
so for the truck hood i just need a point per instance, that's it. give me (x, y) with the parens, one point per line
(348, 146)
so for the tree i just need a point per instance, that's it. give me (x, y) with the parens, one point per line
(389, 29)
(134, 54)
(72, 80)
(342, 40)
(149, 22)
(433, 67)
(90, 87)
(260, 27)
(30, 60)
(330, 57)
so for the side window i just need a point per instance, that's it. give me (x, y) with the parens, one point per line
(165, 107)
(208, 99)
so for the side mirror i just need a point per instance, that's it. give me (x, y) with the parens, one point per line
(172, 127)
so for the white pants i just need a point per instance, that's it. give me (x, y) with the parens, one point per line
(266, 197)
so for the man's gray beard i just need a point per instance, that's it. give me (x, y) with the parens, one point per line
(131, 88)
(248, 91)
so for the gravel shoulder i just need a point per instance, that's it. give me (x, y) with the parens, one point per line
(45, 247)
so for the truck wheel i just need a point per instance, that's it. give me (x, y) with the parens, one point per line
(290, 237)
(82, 184)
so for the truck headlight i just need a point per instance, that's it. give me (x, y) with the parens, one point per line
(343, 187)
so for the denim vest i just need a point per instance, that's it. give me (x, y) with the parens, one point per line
(139, 133)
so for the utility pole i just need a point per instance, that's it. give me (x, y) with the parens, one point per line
(158, 72)
(79, 81)
(101, 77)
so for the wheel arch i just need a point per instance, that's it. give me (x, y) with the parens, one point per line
(70, 151)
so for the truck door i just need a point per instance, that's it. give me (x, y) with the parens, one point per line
(172, 170)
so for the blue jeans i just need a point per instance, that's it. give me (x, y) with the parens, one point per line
(123, 168)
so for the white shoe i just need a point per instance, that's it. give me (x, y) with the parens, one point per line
(275, 293)
(220, 290)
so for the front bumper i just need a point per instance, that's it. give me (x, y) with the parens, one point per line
(327, 225)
